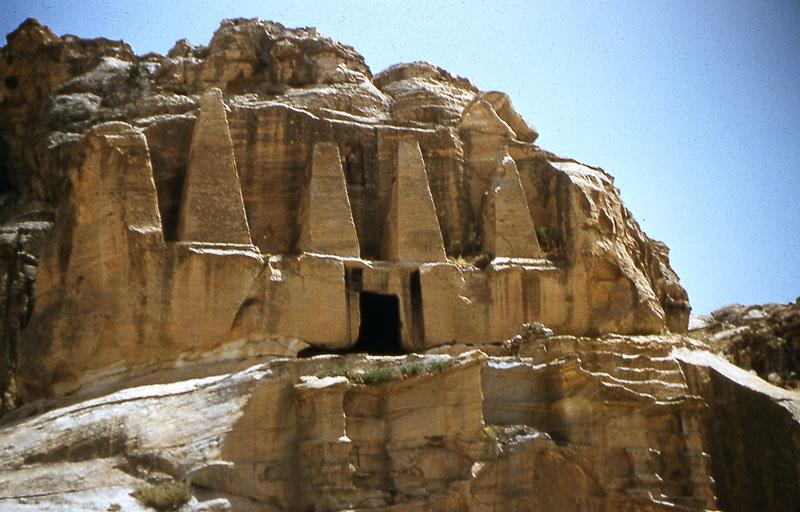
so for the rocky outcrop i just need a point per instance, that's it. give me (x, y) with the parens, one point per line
(614, 423)
(762, 338)
(20, 243)
(751, 434)
(198, 196)
(180, 233)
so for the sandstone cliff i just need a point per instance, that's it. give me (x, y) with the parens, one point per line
(180, 233)
(197, 198)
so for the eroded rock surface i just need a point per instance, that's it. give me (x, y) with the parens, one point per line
(613, 423)
(177, 229)
(198, 197)
(763, 338)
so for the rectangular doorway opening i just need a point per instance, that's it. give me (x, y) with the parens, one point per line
(379, 331)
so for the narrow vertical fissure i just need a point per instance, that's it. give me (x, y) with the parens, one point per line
(417, 331)
(169, 194)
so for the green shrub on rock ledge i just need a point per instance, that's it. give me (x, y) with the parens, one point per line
(164, 497)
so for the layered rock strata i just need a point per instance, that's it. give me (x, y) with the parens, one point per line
(200, 197)
(614, 423)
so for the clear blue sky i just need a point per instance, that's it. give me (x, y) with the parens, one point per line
(693, 106)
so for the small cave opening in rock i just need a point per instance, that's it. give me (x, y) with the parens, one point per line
(7, 181)
(379, 331)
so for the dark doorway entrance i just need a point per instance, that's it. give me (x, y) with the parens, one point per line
(379, 332)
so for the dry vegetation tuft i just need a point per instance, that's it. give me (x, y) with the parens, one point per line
(164, 497)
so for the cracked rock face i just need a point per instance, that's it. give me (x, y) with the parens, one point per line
(177, 229)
